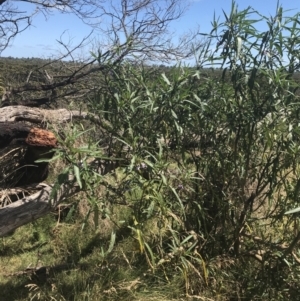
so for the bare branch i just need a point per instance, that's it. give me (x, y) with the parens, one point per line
(12, 22)
(138, 29)
(142, 28)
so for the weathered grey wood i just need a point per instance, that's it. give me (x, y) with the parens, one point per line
(39, 204)
(33, 207)
(37, 115)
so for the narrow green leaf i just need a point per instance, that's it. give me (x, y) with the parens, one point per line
(47, 160)
(164, 180)
(151, 253)
(112, 242)
(174, 114)
(239, 46)
(70, 214)
(77, 175)
(179, 200)
(225, 15)
(166, 79)
(186, 239)
(293, 211)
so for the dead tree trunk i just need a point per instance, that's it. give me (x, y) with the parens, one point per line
(33, 207)
(22, 143)
(13, 132)
(38, 116)
(21, 139)
(19, 168)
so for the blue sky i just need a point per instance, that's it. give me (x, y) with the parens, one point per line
(40, 39)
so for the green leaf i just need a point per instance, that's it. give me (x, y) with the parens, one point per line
(174, 114)
(239, 46)
(225, 15)
(112, 242)
(186, 239)
(164, 180)
(47, 160)
(179, 200)
(151, 254)
(70, 214)
(166, 79)
(77, 175)
(293, 211)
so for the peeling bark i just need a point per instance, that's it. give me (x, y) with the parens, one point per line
(20, 133)
(40, 137)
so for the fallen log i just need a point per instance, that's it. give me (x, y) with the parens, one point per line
(37, 143)
(29, 116)
(37, 115)
(16, 134)
(13, 131)
(17, 163)
(21, 143)
(41, 203)
(34, 206)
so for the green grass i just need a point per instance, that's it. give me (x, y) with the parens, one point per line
(75, 267)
